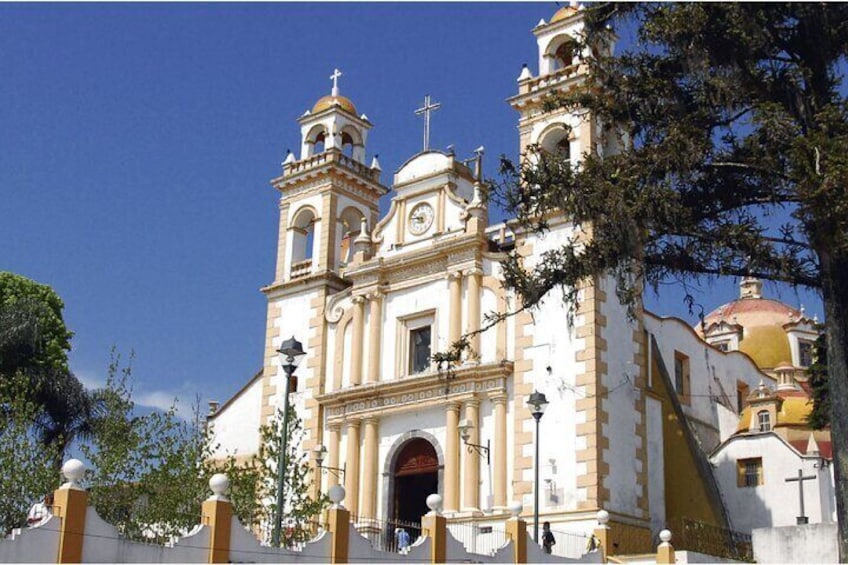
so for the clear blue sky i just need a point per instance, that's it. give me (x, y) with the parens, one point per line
(137, 141)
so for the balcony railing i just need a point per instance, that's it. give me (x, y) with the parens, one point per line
(326, 157)
(301, 268)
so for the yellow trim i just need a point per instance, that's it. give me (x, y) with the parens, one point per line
(71, 506)
(516, 530)
(218, 516)
(435, 527)
(338, 520)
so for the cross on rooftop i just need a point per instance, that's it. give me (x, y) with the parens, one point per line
(802, 519)
(426, 109)
(335, 78)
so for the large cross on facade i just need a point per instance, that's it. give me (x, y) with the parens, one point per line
(426, 109)
(802, 519)
(335, 78)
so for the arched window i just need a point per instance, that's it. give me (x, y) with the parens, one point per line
(350, 224)
(315, 140)
(764, 420)
(556, 141)
(302, 242)
(562, 51)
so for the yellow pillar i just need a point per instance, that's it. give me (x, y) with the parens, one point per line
(70, 504)
(217, 513)
(473, 323)
(356, 341)
(375, 322)
(455, 291)
(471, 486)
(338, 520)
(665, 551)
(352, 466)
(369, 469)
(516, 530)
(435, 527)
(499, 451)
(333, 453)
(452, 457)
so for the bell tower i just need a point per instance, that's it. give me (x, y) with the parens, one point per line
(561, 131)
(327, 193)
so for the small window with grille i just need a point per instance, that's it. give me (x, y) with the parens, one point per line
(749, 472)
(764, 420)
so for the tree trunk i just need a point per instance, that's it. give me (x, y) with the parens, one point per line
(834, 271)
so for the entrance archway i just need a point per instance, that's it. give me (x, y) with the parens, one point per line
(415, 476)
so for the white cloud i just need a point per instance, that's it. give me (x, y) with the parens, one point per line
(183, 398)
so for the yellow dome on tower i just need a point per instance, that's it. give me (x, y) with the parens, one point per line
(329, 101)
(563, 13)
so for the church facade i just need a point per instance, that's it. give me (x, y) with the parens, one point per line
(635, 403)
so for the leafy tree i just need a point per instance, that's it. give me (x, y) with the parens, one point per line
(34, 344)
(819, 417)
(302, 511)
(26, 466)
(720, 150)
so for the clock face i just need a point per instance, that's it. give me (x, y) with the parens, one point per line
(420, 219)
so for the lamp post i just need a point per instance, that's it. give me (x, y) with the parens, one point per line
(537, 404)
(291, 354)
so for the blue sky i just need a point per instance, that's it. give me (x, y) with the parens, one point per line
(137, 142)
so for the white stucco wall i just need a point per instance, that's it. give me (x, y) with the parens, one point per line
(775, 502)
(235, 426)
(813, 543)
(713, 376)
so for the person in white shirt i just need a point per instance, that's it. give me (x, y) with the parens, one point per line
(40, 511)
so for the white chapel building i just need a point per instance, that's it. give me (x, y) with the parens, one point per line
(636, 406)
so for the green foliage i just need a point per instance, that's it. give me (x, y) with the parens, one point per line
(147, 474)
(32, 330)
(34, 344)
(26, 467)
(819, 418)
(301, 510)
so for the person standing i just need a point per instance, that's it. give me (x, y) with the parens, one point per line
(548, 539)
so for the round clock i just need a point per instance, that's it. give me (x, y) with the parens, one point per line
(420, 219)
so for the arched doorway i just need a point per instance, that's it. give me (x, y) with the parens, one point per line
(415, 476)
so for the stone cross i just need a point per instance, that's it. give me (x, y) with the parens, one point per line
(426, 109)
(802, 519)
(335, 78)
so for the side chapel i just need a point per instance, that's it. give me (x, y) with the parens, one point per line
(635, 405)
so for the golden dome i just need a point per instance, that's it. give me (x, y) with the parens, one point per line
(762, 321)
(329, 101)
(768, 346)
(795, 408)
(563, 13)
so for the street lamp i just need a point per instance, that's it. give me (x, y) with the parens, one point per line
(465, 428)
(537, 404)
(291, 354)
(319, 453)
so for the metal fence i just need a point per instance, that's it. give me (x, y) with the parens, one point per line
(568, 544)
(480, 538)
(711, 540)
(385, 535)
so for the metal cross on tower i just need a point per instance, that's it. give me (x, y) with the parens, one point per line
(802, 519)
(335, 78)
(426, 109)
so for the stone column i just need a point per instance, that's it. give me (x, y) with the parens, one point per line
(352, 467)
(473, 323)
(455, 313)
(499, 451)
(333, 453)
(452, 457)
(471, 485)
(375, 322)
(369, 469)
(356, 343)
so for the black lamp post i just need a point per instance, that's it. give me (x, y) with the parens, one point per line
(537, 404)
(291, 354)
(319, 453)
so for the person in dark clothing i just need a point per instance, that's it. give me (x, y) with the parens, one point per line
(548, 539)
